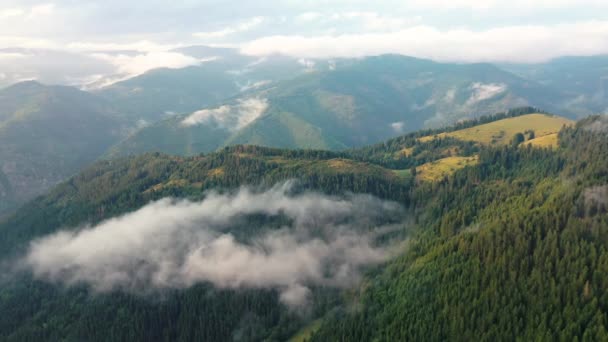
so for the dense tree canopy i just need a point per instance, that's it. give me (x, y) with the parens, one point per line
(513, 248)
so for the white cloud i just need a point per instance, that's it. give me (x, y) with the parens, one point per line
(366, 21)
(483, 92)
(375, 22)
(254, 85)
(129, 66)
(142, 45)
(309, 16)
(242, 27)
(11, 12)
(398, 126)
(12, 56)
(505, 5)
(308, 64)
(176, 244)
(532, 43)
(229, 117)
(41, 10)
(28, 13)
(25, 42)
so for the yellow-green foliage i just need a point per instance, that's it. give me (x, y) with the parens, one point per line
(404, 174)
(438, 169)
(177, 183)
(347, 166)
(549, 140)
(502, 131)
(306, 332)
(405, 152)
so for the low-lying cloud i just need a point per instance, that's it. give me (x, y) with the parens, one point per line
(229, 117)
(596, 195)
(177, 243)
(482, 92)
(599, 125)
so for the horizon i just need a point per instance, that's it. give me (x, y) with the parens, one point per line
(76, 43)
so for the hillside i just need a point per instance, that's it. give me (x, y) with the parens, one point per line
(501, 132)
(513, 249)
(221, 75)
(581, 79)
(466, 272)
(108, 189)
(160, 92)
(47, 134)
(358, 102)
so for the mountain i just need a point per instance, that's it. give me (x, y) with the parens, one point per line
(164, 92)
(223, 73)
(514, 241)
(507, 243)
(350, 104)
(48, 133)
(583, 80)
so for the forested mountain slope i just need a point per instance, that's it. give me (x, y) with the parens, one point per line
(355, 103)
(48, 133)
(514, 248)
(511, 246)
(582, 80)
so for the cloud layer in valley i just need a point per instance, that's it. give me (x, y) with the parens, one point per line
(177, 243)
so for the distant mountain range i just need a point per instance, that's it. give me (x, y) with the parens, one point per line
(47, 133)
(359, 102)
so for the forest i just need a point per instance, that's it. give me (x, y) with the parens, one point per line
(511, 248)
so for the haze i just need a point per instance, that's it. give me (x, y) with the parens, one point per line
(82, 42)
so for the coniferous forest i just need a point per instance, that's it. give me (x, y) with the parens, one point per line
(511, 248)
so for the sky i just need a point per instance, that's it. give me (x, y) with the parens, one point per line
(83, 39)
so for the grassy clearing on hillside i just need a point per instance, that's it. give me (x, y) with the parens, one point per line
(404, 174)
(502, 131)
(438, 169)
(549, 140)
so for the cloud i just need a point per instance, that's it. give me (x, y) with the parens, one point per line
(41, 10)
(364, 20)
(141, 45)
(24, 42)
(373, 21)
(254, 85)
(242, 27)
(128, 66)
(309, 16)
(598, 125)
(176, 244)
(398, 126)
(229, 117)
(308, 64)
(28, 13)
(510, 5)
(49, 66)
(11, 12)
(531, 43)
(483, 92)
(12, 56)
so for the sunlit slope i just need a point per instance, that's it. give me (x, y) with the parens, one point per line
(441, 168)
(501, 132)
(549, 140)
